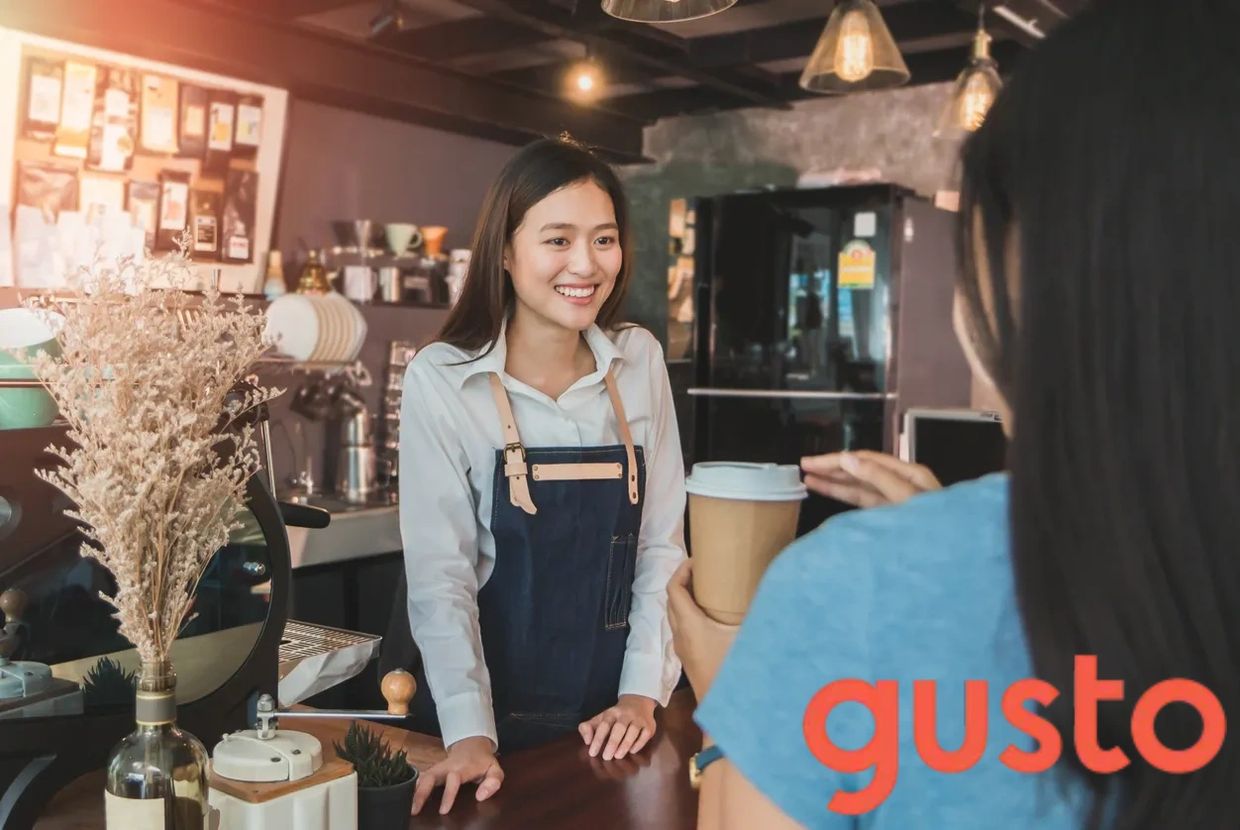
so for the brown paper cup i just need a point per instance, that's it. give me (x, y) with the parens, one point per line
(733, 541)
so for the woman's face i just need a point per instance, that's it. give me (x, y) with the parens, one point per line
(565, 256)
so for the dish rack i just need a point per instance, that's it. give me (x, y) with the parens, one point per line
(314, 658)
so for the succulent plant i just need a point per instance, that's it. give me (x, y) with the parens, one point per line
(372, 758)
(107, 684)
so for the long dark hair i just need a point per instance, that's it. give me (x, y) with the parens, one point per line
(1111, 159)
(536, 171)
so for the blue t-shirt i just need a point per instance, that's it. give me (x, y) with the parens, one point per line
(918, 591)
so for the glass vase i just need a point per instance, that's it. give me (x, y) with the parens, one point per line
(157, 774)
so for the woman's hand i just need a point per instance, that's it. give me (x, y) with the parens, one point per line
(701, 643)
(470, 760)
(866, 479)
(618, 730)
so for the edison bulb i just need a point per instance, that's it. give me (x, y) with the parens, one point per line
(976, 101)
(854, 55)
(585, 81)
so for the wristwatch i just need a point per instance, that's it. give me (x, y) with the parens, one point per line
(700, 761)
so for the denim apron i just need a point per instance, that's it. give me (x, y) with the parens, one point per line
(554, 613)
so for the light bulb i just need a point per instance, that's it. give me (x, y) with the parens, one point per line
(854, 57)
(974, 92)
(585, 80)
(976, 101)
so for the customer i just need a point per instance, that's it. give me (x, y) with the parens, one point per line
(1099, 294)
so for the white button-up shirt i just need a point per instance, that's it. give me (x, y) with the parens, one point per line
(449, 432)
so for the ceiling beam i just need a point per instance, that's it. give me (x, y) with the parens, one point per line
(925, 67)
(617, 69)
(631, 42)
(289, 9)
(459, 38)
(1001, 27)
(668, 103)
(923, 25)
(321, 66)
(946, 64)
(548, 76)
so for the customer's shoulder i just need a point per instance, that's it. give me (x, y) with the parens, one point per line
(957, 521)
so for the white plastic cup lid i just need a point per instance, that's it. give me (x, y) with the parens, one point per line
(746, 481)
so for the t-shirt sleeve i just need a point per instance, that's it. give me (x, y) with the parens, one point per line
(806, 627)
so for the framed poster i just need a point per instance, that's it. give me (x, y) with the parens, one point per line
(148, 145)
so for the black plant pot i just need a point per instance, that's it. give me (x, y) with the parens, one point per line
(385, 808)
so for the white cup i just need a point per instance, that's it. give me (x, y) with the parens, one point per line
(741, 515)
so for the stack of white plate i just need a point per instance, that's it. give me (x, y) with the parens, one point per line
(316, 328)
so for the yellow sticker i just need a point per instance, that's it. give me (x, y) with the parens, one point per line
(857, 261)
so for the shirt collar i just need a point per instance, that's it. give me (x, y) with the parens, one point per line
(605, 353)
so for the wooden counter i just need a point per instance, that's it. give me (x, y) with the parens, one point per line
(552, 787)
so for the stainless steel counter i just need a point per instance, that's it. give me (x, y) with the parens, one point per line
(355, 532)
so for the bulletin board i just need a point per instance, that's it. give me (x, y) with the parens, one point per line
(106, 154)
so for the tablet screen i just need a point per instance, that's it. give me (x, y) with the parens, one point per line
(957, 448)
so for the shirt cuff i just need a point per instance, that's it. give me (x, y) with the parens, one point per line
(465, 716)
(649, 675)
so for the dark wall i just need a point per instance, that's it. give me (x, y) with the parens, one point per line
(346, 165)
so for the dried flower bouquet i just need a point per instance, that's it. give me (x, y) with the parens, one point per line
(160, 453)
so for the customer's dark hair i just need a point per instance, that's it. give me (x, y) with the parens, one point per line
(1111, 162)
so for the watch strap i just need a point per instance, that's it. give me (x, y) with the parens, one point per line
(699, 762)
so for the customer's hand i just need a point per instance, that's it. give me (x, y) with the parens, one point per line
(866, 479)
(470, 760)
(618, 730)
(701, 643)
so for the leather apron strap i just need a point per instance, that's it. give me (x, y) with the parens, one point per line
(516, 468)
(622, 423)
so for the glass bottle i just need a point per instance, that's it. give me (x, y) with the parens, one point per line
(273, 284)
(157, 775)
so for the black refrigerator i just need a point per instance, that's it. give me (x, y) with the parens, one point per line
(818, 317)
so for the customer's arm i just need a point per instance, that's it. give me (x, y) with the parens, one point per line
(806, 628)
(729, 802)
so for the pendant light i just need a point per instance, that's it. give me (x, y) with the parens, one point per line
(664, 11)
(855, 52)
(585, 80)
(975, 89)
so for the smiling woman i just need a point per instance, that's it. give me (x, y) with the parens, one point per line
(546, 214)
(542, 488)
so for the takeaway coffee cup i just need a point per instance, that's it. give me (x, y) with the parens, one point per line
(740, 516)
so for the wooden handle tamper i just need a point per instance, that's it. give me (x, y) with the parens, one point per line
(398, 688)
